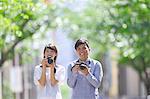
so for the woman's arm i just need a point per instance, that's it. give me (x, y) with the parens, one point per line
(42, 79)
(52, 77)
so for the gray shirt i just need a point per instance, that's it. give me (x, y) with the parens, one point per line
(85, 87)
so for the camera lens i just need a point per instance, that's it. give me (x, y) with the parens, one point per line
(82, 66)
(50, 60)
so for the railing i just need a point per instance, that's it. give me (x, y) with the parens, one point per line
(0, 84)
(17, 83)
(9, 83)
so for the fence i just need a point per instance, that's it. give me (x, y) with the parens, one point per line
(17, 83)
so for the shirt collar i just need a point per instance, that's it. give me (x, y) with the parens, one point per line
(88, 61)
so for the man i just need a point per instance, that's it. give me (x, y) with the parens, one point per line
(84, 74)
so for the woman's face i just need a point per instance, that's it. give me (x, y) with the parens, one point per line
(83, 51)
(49, 52)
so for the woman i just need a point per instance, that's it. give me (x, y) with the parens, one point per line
(48, 75)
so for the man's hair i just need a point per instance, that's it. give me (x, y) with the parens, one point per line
(81, 41)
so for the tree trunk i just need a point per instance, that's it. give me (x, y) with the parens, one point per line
(146, 80)
(147, 85)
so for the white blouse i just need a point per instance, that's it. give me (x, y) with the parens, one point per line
(48, 91)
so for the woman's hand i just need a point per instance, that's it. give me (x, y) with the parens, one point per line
(44, 62)
(52, 65)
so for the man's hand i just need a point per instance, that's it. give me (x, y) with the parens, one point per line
(85, 71)
(75, 68)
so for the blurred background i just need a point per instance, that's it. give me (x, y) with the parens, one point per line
(118, 32)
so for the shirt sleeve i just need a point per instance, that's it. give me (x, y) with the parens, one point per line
(60, 74)
(37, 75)
(96, 77)
(71, 77)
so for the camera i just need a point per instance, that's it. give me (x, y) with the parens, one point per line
(82, 65)
(50, 60)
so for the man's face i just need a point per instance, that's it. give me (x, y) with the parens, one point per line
(82, 51)
(49, 52)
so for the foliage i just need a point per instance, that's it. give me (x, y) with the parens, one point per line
(88, 23)
(65, 91)
(131, 31)
(19, 21)
(7, 93)
(112, 23)
(131, 22)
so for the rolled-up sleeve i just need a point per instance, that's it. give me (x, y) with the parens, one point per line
(96, 77)
(71, 77)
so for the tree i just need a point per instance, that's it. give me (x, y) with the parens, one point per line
(88, 22)
(130, 26)
(123, 24)
(19, 21)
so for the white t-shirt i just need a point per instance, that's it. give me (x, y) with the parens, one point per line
(48, 91)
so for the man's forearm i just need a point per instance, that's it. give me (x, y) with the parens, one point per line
(72, 79)
(93, 80)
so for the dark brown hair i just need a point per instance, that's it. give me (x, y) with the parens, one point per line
(52, 47)
(81, 41)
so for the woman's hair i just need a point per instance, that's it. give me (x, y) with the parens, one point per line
(81, 41)
(52, 47)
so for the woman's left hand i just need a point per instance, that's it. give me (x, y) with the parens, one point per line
(52, 65)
